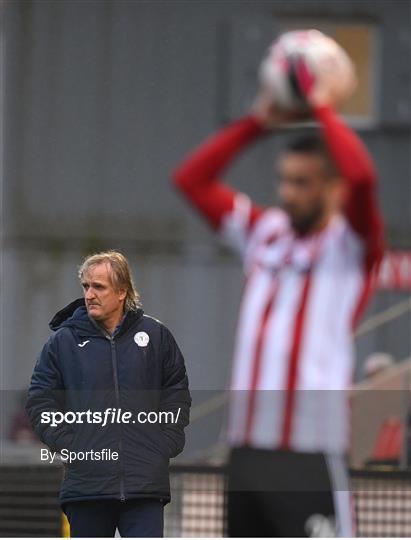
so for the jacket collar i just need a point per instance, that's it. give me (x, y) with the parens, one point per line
(75, 315)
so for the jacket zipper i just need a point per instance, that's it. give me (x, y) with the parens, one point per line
(117, 393)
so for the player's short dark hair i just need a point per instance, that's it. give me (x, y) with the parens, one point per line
(312, 144)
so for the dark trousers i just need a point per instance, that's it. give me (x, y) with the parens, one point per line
(280, 494)
(99, 518)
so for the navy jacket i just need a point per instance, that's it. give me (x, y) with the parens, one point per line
(139, 368)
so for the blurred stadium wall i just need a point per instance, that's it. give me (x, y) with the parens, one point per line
(101, 99)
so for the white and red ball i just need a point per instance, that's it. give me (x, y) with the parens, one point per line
(327, 62)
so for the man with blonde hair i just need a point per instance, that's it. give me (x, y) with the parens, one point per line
(109, 393)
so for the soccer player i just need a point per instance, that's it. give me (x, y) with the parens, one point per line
(308, 268)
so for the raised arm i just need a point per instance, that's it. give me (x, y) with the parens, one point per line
(197, 176)
(357, 169)
(351, 159)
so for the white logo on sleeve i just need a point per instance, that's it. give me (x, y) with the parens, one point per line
(84, 343)
(142, 339)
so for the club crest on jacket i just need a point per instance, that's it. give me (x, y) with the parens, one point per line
(142, 339)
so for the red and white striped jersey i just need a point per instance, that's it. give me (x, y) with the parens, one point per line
(293, 358)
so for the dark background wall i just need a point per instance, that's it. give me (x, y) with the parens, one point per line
(100, 101)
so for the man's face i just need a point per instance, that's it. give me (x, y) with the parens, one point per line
(306, 190)
(102, 300)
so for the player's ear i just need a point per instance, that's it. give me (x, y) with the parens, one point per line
(339, 191)
(336, 181)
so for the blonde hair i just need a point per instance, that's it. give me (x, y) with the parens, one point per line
(120, 275)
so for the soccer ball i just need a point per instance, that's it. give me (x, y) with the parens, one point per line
(302, 58)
